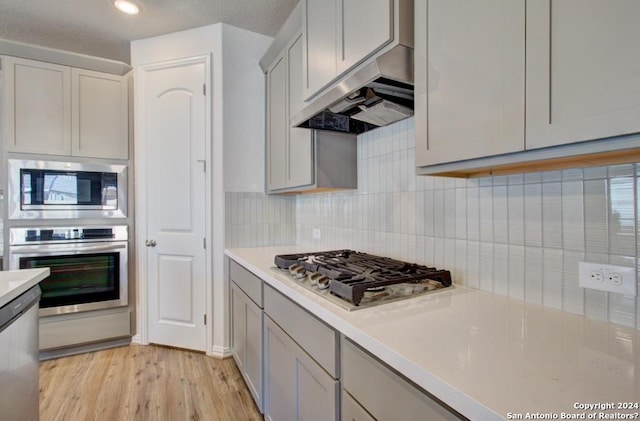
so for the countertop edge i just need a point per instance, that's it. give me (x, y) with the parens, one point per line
(31, 277)
(448, 394)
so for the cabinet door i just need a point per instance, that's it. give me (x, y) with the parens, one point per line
(238, 326)
(301, 157)
(296, 387)
(276, 117)
(246, 340)
(320, 44)
(100, 122)
(469, 62)
(279, 374)
(383, 393)
(360, 34)
(253, 350)
(37, 107)
(583, 70)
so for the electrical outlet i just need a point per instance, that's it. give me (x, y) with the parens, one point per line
(316, 233)
(620, 279)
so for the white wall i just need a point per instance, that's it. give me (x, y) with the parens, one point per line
(244, 110)
(236, 141)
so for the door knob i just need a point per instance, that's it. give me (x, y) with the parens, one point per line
(150, 243)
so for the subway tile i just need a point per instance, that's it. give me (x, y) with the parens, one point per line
(533, 178)
(473, 213)
(625, 170)
(450, 258)
(501, 269)
(572, 293)
(486, 266)
(485, 195)
(429, 251)
(429, 213)
(572, 174)
(450, 213)
(460, 268)
(439, 217)
(533, 275)
(500, 214)
(533, 215)
(515, 199)
(552, 215)
(515, 179)
(572, 216)
(549, 176)
(461, 213)
(622, 221)
(517, 271)
(420, 212)
(592, 173)
(552, 278)
(596, 216)
(473, 264)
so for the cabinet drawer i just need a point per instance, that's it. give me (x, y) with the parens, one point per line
(384, 393)
(247, 281)
(316, 338)
(352, 411)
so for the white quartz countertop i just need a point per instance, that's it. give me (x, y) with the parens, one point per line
(14, 282)
(485, 355)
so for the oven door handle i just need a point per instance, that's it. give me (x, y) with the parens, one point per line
(17, 250)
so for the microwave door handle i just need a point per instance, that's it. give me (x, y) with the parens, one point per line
(18, 251)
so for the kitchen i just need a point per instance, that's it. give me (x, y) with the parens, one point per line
(518, 234)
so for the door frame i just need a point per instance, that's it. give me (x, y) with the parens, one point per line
(141, 205)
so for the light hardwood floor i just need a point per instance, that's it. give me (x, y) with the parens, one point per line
(143, 383)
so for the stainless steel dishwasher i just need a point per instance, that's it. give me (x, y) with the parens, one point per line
(19, 376)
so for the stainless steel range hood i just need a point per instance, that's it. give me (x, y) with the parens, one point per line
(378, 93)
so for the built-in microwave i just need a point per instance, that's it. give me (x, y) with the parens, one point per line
(58, 189)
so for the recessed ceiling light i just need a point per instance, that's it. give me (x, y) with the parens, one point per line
(129, 7)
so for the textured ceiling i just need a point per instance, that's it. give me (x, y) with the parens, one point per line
(96, 28)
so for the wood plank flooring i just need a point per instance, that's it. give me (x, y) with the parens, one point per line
(143, 383)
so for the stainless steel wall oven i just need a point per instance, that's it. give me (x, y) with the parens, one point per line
(57, 189)
(88, 265)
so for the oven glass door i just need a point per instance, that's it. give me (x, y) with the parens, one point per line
(83, 277)
(77, 278)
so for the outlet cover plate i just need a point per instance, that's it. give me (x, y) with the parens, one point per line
(611, 278)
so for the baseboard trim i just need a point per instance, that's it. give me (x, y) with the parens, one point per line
(136, 339)
(82, 349)
(220, 352)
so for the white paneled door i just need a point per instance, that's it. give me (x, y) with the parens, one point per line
(175, 131)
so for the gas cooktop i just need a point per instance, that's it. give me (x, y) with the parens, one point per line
(357, 280)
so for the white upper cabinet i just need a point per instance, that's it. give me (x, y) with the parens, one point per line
(320, 40)
(100, 107)
(363, 27)
(339, 34)
(60, 110)
(300, 140)
(583, 70)
(277, 153)
(37, 107)
(469, 63)
(494, 98)
(289, 149)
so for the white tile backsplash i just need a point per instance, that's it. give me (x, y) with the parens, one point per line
(520, 235)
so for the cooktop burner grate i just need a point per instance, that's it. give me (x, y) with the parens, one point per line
(352, 274)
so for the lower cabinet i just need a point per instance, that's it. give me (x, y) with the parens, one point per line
(371, 390)
(246, 340)
(297, 388)
(301, 363)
